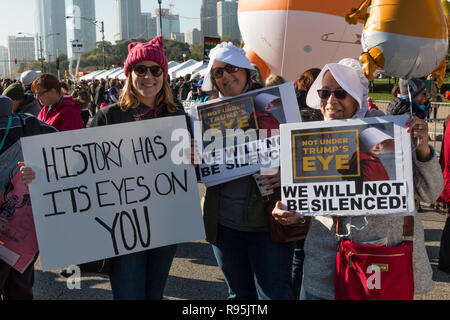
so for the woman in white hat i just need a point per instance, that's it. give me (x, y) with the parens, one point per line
(340, 92)
(236, 222)
(372, 142)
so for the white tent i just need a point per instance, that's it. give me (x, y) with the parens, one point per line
(191, 69)
(105, 75)
(116, 73)
(173, 64)
(173, 71)
(122, 76)
(91, 75)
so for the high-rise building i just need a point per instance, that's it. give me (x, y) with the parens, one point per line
(4, 66)
(128, 19)
(148, 24)
(170, 23)
(193, 36)
(208, 18)
(81, 28)
(20, 48)
(227, 19)
(51, 26)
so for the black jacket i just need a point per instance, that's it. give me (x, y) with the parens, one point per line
(23, 125)
(401, 106)
(113, 114)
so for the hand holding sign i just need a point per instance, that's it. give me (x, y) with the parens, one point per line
(28, 175)
(419, 134)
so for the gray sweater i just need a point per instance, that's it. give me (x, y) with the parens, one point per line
(321, 244)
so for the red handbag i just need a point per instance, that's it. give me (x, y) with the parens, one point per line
(369, 272)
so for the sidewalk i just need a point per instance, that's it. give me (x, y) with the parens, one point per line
(195, 276)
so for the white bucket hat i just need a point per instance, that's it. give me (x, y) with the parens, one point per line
(28, 77)
(263, 99)
(370, 137)
(226, 52)
(350, 76)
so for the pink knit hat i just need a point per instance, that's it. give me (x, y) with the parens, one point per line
(152, 50)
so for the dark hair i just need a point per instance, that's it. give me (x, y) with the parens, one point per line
(306, 79)
(47, 82)
(395, 90)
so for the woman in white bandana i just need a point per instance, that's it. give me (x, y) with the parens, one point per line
(340, 92)
(235, 218)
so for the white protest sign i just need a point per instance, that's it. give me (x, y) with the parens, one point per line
(347, 167)
(237, 136)
(109, 191)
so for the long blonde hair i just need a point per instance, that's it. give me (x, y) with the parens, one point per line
(129, 99)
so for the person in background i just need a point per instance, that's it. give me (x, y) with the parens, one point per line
(22, 103)
(113, 92)
(419, 95)
(442, 204)
(372, 106)
(201, 95)
(340, 92)
(82, 98)
(64, 87)
(235, 216)
(301, 86)
(274, 80)
(59, 110)
(184, 88)
(27, 79)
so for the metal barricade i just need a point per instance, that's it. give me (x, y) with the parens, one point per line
(436, 119)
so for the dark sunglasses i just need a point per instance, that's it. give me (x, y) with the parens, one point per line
(141, 70)
(217, 73)
(338, 94)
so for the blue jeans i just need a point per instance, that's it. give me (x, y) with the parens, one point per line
(254, 267)
(142, 275)
(297, 268)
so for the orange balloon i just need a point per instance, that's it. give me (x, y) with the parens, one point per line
(257, 61)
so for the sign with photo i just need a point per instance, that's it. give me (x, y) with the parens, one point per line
(347, 167)
(240, 135)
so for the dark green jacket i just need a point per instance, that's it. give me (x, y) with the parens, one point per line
(255, 212)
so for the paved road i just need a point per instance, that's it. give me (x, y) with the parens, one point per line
(195, 276)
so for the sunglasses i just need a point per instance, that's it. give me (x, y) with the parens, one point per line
(217, 73)
(141, 70)
(41, 93)
(338, 94)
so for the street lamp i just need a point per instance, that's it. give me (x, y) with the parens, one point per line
(101, 26)
(160, 18)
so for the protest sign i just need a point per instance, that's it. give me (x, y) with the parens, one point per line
(109, 191)
(240, 135)
(208, 44)
(18, 244)
(347, 167)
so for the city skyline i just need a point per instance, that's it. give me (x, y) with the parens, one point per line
(189, 12)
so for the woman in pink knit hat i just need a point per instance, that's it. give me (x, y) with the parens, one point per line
(146, 95)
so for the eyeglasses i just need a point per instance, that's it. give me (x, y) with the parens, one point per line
(41, 93)
(141, 70)
(338, 94)
(217, 73)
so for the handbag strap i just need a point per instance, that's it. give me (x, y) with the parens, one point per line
(408, 227)
(2, 143)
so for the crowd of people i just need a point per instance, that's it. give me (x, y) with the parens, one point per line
(235, 216)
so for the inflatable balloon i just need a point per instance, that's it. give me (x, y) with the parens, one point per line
(407, 39)
(257, 61)
(291, 36)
